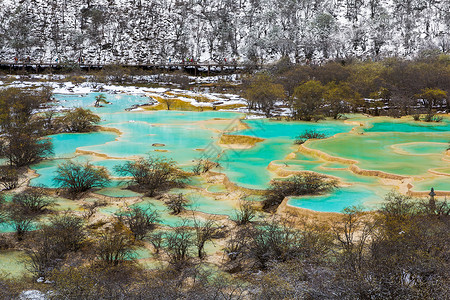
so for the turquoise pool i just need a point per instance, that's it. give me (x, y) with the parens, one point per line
(394, 146)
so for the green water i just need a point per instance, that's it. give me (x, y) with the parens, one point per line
(12, 264)
(65, 144)
(440, 183)
(401, 125)
(117, 192)
(374, 151)
(5, 227)
(395, 146)
(217, 188)
(443, 170)
(248, 168)
(423, 148)
(206, 204)
(165, 217)
(63, 204)
(367, 198)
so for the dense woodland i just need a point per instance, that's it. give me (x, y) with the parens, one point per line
(259, 31)
(393, 87)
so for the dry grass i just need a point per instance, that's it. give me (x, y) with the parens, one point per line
(239, 139)
(196, 98)
(177, 104)
(230, 106)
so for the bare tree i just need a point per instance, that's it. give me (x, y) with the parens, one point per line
(203, 166)
(153, 173)
(22, 140)
(79, 120)
(177, 203)
(115, 246)
(297, 185)
(20, 220)
(139, 221)
(157, 240)
(52, 242)
(353, 233)
(9, 177)
(25, 208)
(204, 232)
(78, 178)
(178, 245)
(245, 213)
(100, 99)
(33, 201)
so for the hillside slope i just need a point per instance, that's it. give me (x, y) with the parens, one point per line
(146, 31)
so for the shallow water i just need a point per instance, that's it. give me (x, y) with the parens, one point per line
(401, 125)
(164, 214)
(206, 204)
(379, 151)
(439, 183)
(396, 146)
(12, 264)
(117, 192)
(362, 196)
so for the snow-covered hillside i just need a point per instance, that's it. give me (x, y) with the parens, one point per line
(153, 31)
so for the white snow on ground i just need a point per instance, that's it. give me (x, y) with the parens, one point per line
(206, 99)
(32, 295)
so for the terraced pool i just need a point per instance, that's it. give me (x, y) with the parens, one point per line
(392, 146)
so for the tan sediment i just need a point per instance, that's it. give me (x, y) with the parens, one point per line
(357, 170)
(93, 153)
(109, 129)
(109, 199)
(402, 186)
(433, 171)
(290, 156)
(225, 106)
(175, 104)
(323, 155)
(232, 186)
(426, 193)
(243, 125)
(237, 147)
(356, 123)
(24, 179)
(161, 150)
(281, 172)
(238, 141)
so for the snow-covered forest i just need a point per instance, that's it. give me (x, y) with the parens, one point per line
(153, 31)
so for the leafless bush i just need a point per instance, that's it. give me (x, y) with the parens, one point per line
(139, 221)
(177, 203)
(245, 213)
(153, 173)
(115, 246)
(9, 177)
